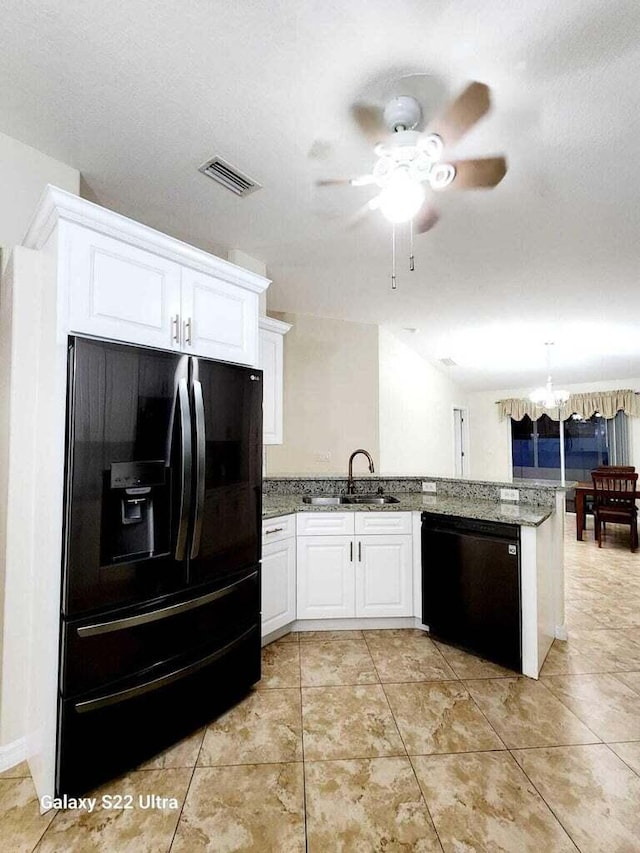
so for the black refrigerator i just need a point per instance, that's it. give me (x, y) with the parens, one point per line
(160, 612)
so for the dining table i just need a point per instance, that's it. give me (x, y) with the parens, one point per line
(584, 490)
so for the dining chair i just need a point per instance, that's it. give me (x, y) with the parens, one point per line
(615, 501)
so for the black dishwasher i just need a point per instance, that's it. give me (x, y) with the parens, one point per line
(471, 586)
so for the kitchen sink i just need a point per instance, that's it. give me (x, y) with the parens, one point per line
(335, 500)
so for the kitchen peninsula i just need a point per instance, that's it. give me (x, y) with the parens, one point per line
(341, 566)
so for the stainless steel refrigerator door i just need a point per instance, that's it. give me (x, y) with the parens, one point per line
(128, 500)
(227, 441)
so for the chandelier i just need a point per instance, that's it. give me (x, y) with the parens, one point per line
(546, 395)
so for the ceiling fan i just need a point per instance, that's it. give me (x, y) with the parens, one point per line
(409, 161)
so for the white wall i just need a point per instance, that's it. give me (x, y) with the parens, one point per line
(490, 438)
(330, 396)
(24, 173)
(416, 411)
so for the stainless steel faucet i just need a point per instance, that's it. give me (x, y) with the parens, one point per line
(351, 458)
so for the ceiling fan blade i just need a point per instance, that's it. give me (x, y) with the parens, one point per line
(369, 120)
(484, 173)
(356, 219)
(425, 219)
(333, 182)
(462, 113)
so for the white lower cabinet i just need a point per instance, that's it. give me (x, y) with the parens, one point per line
(384, 576)
(278, 573)
(326, 577)
(341, 576)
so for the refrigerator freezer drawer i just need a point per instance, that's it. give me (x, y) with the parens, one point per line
(103, 651)
(103, 736)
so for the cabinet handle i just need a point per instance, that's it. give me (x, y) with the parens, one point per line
(351, 551)
(359, 552)
(275, 530)
(175, 322)
(187, 331)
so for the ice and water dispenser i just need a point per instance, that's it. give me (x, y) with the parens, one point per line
(137, 500)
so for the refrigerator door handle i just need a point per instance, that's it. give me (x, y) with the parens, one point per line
(198, 403)
(163, 613)
(185, 454)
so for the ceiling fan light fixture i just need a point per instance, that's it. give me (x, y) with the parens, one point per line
(401, 198)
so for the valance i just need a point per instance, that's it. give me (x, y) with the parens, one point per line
(606, 403)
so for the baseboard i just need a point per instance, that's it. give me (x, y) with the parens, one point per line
(561, 632)
(361, 624)
(13, 753)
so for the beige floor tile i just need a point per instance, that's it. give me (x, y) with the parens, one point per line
(348, 722)
(134, 830)
(565, 658)
(631, 679)
(328, 636)
(280, 666)
(526, 713)
(366, 805)
(593, 793)
(394, 633)
(412, 659)
(262, 729)
(439, 717)
(347, 662)
(21, 824)
(608, 707)
(291, 637)
(614, 649)
(18, 771)
(483, 802)
(254, 808)
(629, 753)
(466, 665)
(182, 754)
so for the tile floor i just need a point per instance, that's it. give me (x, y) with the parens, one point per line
(387, 741)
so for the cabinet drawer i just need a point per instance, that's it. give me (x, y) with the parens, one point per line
(324, 523)
(276, 529)
(382, 522)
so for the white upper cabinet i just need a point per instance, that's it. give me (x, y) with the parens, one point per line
(122, 292)
(219, 320)
(271, 361)
(121, 280)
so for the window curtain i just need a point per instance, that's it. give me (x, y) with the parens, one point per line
(606, 403)
(618, 439)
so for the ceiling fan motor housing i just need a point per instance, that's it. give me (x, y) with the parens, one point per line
(402, 113)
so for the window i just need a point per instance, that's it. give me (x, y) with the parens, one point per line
(588, 443)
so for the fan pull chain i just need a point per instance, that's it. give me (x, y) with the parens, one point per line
(393, 258)
(412, 265)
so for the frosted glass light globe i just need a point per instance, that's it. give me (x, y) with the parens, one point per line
(401, 198)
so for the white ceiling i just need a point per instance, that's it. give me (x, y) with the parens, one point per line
(138, 94)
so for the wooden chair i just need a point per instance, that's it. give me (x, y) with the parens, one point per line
(604, 469)
(614, 501)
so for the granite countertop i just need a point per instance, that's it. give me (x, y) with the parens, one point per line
(484, 510)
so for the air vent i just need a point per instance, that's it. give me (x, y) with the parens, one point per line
(448, 362)
(230, 177)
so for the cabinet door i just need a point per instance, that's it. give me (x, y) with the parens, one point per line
(384, 576)
(120, 292)
(219, 320)
(326, 581)
(278, 585)
(271, 346)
